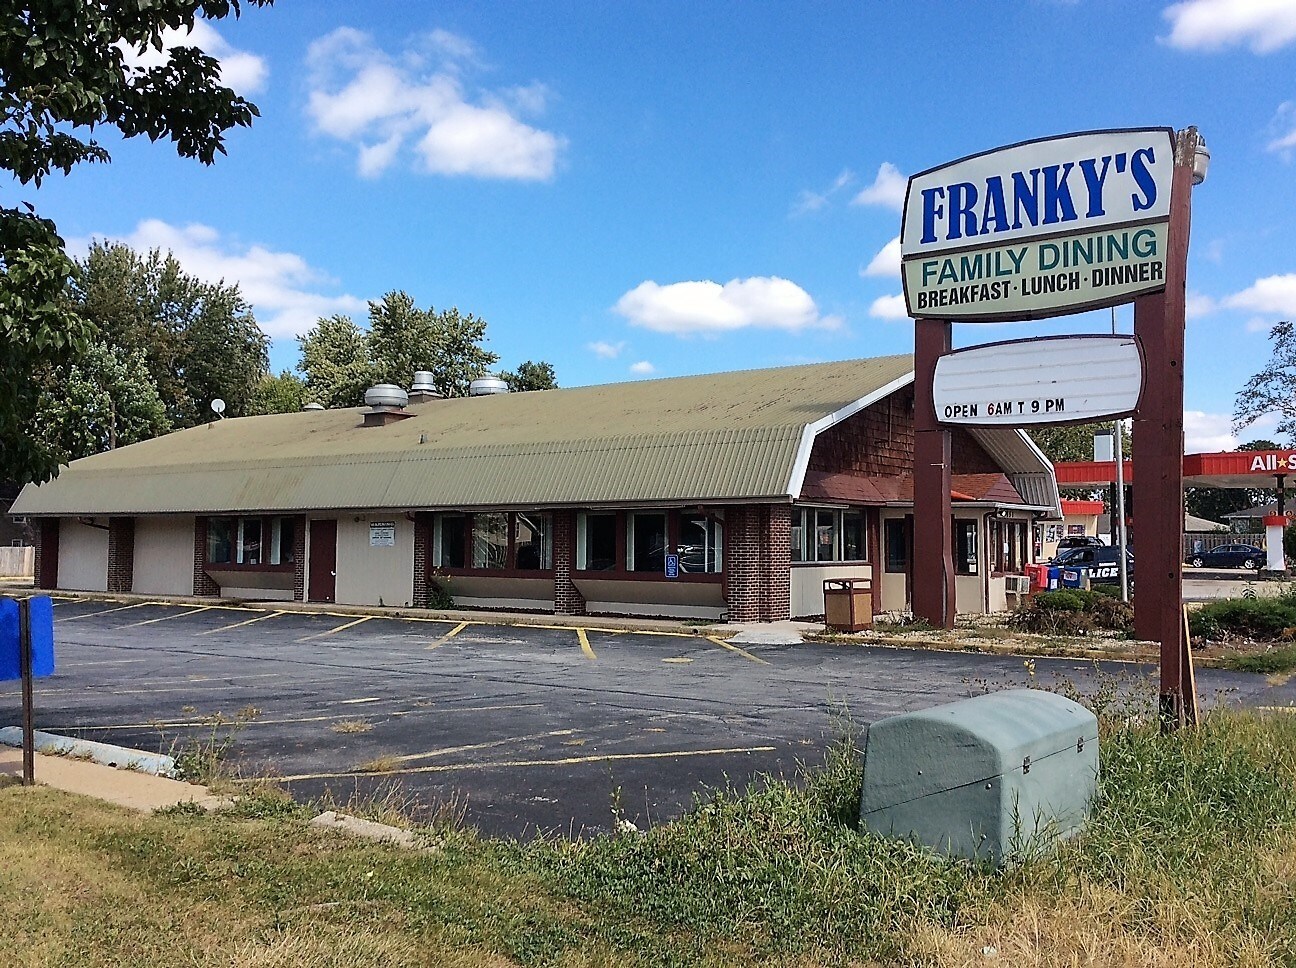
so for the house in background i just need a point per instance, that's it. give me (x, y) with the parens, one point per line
(726, 495)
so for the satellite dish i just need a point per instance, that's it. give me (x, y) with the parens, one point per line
(218, 406)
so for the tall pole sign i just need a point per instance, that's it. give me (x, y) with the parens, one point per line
(1041, 229)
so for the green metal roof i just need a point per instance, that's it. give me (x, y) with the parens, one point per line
(723, 436)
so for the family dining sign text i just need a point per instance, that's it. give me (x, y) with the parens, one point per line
(1040, 228)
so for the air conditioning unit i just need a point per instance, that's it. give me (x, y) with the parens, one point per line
(1018, 584)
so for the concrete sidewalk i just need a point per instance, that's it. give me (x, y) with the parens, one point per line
(126, 788)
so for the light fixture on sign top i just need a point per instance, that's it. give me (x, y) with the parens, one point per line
(1201, 161)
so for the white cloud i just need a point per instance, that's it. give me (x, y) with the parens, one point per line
(1199, 304)
(1208, 432)
(382, 104)
(606, 350)
(245, 73)
(889, 307)
(643, 366)
(284, 290)
(707, 308)
(808, 201)
(886, 262)
(887, 190)
(1272, 294)
(1283, 127)
(1263, 25)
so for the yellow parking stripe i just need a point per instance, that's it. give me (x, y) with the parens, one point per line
(167, 618)
(471, 747)
(517, 764)
(239, 625)
(584, 644)
(342, 627)
(106, 611)
(733, 648)
(449, 635)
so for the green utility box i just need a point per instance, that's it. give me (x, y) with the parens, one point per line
(986, 778)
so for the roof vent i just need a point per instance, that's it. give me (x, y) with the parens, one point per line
(423, 387)
(312, 406)
(386, 395)
(487, 386)
(388, 402)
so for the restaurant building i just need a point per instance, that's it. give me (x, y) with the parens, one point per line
(729, 495)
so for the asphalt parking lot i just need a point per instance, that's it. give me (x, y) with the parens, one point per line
(526, 728)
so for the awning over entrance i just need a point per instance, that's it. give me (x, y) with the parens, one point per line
(1240, 468)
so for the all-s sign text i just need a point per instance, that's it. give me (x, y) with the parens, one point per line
(1039, 229)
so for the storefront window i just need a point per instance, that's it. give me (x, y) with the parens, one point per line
(965, 547)
(220, 541)
(596, 542)
(854, 542)
(249, 541)
(646, 542)
(283, 546)
(533, 542)
(701, 544)
(451, 530)
(897, 546)
(489, 540)
(825, 534)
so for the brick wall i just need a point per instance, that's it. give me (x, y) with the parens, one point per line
(299, 558)
(45, 539)
(759, 562)
(203, 584)
(422, 557)
(121, 554)
(567, 597)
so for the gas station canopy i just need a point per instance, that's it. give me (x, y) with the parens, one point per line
(1239, 468)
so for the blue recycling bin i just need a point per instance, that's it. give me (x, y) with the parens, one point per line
(1054, 576)
(1072, 578)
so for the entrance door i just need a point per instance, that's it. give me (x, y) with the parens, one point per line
(323, 561)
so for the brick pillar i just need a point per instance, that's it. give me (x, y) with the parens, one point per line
(203, 584)
(45, 538)
(121, 554)
(422, 557)
(759, 565)
(777, 564)
(567, 597)
(299, 558)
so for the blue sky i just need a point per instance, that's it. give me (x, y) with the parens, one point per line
(670, 188)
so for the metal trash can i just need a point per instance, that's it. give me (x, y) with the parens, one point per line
(848, 604)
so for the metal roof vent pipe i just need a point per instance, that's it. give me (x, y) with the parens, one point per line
(423, 387)
(387, 402)
(487, 386)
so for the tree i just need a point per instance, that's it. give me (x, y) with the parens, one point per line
(106, 399)
(340, 361)
(200, 340)
(335, 361)
(1273, 389)
(1074, 443)
(285, 393)
(66, 68)
(403, 339)
(530, 376)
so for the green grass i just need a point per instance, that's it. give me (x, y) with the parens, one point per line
(1191, 850)
(1273, 662)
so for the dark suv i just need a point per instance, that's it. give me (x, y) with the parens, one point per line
(1101, 564)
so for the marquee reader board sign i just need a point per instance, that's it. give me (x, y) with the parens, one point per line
(1039, 229)
(1046, 380)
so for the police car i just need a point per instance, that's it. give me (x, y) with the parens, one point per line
(1100, 564)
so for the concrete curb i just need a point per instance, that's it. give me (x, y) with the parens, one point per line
(154, 764)
(379, 833)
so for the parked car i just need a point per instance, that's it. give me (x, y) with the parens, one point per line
(1228, 556)
(1101, 563)
(1080, 541)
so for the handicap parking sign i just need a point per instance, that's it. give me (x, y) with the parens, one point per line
(672, 566)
